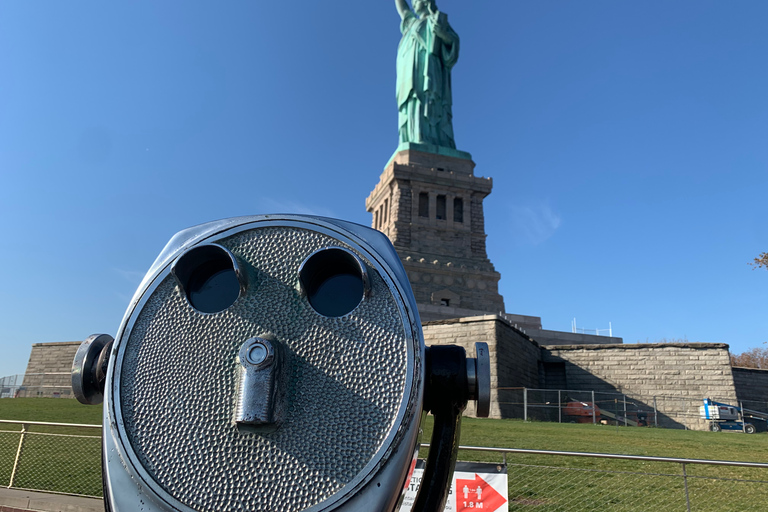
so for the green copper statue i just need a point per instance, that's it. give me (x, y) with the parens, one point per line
(428, 50)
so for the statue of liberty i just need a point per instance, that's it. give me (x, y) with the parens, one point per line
(428, 50)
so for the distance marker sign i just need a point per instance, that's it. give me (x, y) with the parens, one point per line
(475, 486)
(477, 494)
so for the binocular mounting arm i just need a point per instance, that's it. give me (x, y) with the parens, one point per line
(452, 380)
(89, 369)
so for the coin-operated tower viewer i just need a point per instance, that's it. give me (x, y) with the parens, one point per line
(275, 363)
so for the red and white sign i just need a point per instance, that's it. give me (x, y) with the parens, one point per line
(478, 494)
(475, 486)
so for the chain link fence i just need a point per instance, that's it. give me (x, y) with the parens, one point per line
(50, 385)
(10, 385)
(31, 385)
(576, 406)
(51, 457)
(549, 481)
(66, 458)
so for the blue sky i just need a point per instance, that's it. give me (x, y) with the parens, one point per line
(626, 140)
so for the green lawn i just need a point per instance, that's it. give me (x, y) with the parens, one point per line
(576, 437)
(606, 439)
(536, 482)
(54, 410)
(500, 433)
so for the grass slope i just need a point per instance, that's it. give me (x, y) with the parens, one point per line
(607, 439)
(54, 410)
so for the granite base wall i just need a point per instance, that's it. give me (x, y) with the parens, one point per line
(48, 370)
(514, 356)
(752, 387)
(679, 375)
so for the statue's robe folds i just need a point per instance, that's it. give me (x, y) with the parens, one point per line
(424, 63)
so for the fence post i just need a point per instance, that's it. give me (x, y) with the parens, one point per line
(525, 404)
(743, 419)
(655, 414)
(685, 481)
(18, 454)
(683, 413)
(593, 408)
(559, 408)
(625, 410)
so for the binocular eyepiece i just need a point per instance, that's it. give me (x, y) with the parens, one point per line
(275, 363)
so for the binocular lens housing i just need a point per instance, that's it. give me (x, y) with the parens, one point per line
(210, 277)
(334, 281)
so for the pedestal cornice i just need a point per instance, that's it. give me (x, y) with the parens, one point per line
(453, 174)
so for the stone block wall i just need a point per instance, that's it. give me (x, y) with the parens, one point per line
(752, 387)
(48, 370)
(514, 356)
(679, 375)
(470, 288)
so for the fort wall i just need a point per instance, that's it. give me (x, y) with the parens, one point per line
(752, 387)
(678, 375)
(514, 356)
(48, 370)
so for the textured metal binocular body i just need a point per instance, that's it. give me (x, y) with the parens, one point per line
(265, 363)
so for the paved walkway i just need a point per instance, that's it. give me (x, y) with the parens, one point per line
(13, 500)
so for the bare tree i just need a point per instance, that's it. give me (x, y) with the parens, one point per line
(756, 357)
(761, 261)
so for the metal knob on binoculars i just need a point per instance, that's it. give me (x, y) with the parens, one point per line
(257, 398)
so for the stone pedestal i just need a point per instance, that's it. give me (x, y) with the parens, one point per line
(431, 207)
(48, 370)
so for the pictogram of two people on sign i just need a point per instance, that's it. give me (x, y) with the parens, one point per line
(478, 491)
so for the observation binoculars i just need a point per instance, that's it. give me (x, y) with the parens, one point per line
(276, 363)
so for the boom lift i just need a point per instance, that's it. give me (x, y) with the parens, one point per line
(725, 417)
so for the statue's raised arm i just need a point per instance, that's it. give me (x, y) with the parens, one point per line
(402, 8)
(428, 50)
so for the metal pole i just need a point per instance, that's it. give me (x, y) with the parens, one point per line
(559, 408)
(616, 412)
(743, 419)
(685, 481)
(625, 410)
(525, 404)
(682, 413)
(655, 414)
(18, 454)
(593, 408)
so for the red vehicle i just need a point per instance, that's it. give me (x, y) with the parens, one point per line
(581, 412)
